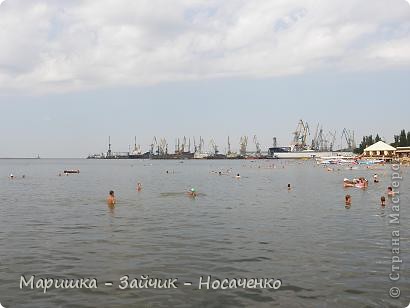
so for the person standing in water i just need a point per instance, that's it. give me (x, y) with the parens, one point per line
(111, 201)
(383, 201)
(348, 201)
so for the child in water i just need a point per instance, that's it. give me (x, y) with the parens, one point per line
(139, 187)
(348, 201)
(383, 201)
(390, 191)
(111, 201)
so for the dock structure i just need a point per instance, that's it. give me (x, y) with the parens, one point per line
(299, 147)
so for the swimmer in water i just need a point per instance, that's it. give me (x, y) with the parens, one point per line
(11, 176)
(192, 193)
(111, 201)
(390, 191)
(375, 178)
(289, 187)
(139, 187)
(383, 201)
(348, 201)
(238, 176)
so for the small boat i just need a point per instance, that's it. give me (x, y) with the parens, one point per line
(71, 171)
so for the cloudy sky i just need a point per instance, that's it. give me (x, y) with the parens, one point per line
(74, 72)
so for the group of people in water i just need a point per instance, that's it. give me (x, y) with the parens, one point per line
(12, 176)
(363, 183)
(111, 200)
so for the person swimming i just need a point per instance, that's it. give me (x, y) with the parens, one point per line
(383, 201)
(238, 176)
(375, 178)
(192, 192)
(348, 183)
(348, 201)
(390, 191)
(11, 176)
(289, 188)
(111, 201)
(139, 187)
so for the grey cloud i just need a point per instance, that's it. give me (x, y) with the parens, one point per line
(71, 45)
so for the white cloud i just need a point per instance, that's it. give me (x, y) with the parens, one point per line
(70, 45)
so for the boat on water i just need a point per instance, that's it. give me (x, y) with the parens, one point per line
(71, 171)
(293, 153)
(337, 160)
(319, 147)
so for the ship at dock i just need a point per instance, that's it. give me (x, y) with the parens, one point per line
(322, 144)
(134, 154)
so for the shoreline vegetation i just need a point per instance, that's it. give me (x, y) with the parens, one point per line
(401, 140)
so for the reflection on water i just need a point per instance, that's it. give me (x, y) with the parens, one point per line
(325, 255)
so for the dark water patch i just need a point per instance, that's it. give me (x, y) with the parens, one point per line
(352, 291)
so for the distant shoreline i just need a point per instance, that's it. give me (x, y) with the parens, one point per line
(35, 158)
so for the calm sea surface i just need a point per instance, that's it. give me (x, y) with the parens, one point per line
(325, 255)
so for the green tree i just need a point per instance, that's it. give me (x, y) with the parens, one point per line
(377, 139)
(366, 141)
(403, 139)
(408, 139)
(396, 141)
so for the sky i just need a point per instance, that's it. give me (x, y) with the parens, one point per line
(73, 73)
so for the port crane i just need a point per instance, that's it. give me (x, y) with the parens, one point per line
(163, 147)
(200, 147)
(243, 143)
(181, 146)
(320, 142)
(315, 144)
(300, 135)
(213, 147)
(274, 142)
(333, 140)
(350, 140)
(229, 147)
(109, 152)
(137, 148)
(154, 145)
(257, 145)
